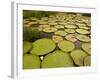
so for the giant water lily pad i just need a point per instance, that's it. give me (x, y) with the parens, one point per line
(83, 38)
(70, 30)
(57, 39)
(31, 61)
(25, 21)
(32, 23)
(66, 46)
(43, 22)
(26, 46)
(87, 47)
(52, 23)
(59, 26)
(87, 61)
(60, 33)
(45, 26)
(84, 27)
(41, 27)
(80, 24)
(51, 29)
(62, 23)
(71, 37)
(44, 18)
(57, 59)
(43, 46)
(78, 56)
(82, 31)
(71, 26)
(26, 25)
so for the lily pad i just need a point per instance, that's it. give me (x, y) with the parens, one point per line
(31, 61)
(57, 39)
(87, 61)
(84, 27)
(70, 30)
(33, 18)
(51, 29)
(26, 46)
(32, 23)
(25, 21)
(44, 18)
(52, 23)
(83, 38)
(45, 26)
(80, 24)
(59, 26)
(26, 25)
(66, 46)
(41, 27)
(57, 59)
(71, 26)
(71, 37)
(87, 47)
(62, 23)
(78, 56)
(43, 46)
(60, 33)
(82, 31)
(43, 22)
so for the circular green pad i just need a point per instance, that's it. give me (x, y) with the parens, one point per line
(71, 26)
(60, 33)
(57, 39)
(83, 38)
(78, 56)
(87, 61)
(57, 59)
(84, 27)
(66, 46)
(31, 61)
(71, 37)
(52, 23)
(70, 30)
(59, 26)
(82, 31)
(26, 46)
(87, 47)
(51, 29)
(43, 46)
